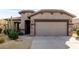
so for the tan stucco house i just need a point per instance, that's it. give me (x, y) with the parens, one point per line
(13, 23)
(75, 22)
(46, 22)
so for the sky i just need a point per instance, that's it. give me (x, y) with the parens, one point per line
(7, 13)
(11, 7)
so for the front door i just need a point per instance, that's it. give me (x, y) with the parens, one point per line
(27, 26)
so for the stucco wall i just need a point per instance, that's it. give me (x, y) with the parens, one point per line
(23, 18)
(51, 16)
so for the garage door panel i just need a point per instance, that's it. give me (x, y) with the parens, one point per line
(51, 28)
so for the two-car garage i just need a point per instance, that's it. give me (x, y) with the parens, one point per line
(50, 22)
(51, 27)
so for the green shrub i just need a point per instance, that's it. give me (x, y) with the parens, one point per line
(2, 40)
(77, 31)
(20, 33)
(13, 35)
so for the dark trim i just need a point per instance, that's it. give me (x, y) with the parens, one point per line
(17, 22)
(67, 28)
(43, 20)
(34, 28)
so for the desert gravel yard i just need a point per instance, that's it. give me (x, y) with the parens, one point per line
(55, 42)
(23, 42)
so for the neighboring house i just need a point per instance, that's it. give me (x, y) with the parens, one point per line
(75, 22)
(13, 23)
(46, 22)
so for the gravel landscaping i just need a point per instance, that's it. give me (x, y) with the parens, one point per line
(16, 44)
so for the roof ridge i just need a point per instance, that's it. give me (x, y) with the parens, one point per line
(52, 10)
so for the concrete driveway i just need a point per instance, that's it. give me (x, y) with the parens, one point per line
(55, 42)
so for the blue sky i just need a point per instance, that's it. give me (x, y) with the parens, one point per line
(11, 7)
(5, 13)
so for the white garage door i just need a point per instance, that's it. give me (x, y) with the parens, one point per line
(51, 28)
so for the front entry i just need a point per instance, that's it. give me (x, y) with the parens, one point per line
(27, 26)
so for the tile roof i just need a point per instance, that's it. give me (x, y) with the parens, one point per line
(26, 11)
(51, 11)
(14, 18)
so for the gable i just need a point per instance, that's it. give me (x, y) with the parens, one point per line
(51, 14)
(48, 15)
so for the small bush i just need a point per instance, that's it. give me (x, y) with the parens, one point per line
(2, 40)
(21, 33)
(77, 32)
(13, 35)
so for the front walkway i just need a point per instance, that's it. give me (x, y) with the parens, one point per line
(60, 42)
